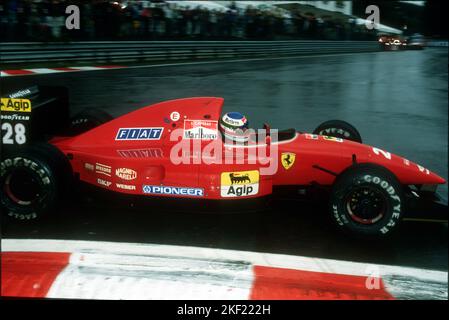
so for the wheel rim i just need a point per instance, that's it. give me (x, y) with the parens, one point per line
(366, 205)
(22, 187)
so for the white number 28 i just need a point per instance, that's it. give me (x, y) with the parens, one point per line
(14, 133)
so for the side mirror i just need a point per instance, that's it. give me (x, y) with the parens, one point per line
(267, 129)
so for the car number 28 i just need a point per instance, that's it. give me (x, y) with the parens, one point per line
(13, 133)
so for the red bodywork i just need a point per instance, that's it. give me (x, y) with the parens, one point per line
(126, 166)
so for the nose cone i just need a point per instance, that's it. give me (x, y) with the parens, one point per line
(406, 171)
(437, 178)
(425, 174)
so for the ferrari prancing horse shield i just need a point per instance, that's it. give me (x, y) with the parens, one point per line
(288, 159)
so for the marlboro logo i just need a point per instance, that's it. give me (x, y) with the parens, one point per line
(200, 130)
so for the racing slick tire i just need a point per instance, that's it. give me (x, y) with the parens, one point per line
(338, 129)
(87, 120)
(32, 181)
(367, 200)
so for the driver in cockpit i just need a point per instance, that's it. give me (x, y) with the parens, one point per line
(234, 127)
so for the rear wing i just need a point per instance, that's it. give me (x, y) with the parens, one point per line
(33, 114)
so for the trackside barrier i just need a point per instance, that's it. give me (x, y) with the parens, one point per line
(144, 51)
(435, 43)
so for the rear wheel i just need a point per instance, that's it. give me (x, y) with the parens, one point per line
(32, 181)
(87, 120)
(338, 129)
(367, 200)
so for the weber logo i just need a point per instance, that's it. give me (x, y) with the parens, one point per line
(200, 130)
(139, 133)
(125, 186)
(239, 184)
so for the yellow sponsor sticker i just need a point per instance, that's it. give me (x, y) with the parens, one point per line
(240, 183)
(15, 105)
(329, 138)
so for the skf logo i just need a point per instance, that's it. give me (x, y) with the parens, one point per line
(239, 184)
(104, 183)
(15, 105)
(288, 159)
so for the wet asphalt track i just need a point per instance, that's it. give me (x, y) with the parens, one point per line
(397, 100)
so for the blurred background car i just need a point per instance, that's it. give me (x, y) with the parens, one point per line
(416, 41)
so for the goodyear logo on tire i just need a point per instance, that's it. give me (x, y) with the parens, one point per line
(15, 105)
(239, 184)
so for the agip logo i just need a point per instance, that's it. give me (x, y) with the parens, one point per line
(15, 105)
(239, 184)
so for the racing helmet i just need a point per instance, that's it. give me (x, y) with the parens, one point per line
(235, 127)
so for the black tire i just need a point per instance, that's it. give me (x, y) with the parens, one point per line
(32, 182)
(367, 200)
(87, 120)
(338, 129)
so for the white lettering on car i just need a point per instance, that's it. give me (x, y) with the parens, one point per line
(378, 151)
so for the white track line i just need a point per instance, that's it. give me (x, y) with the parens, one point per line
(88, 68)
(43, 70)
(143, 277)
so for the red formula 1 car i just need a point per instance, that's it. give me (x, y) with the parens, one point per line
(393, 43)
(174, 149)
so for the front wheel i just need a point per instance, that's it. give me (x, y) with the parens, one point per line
(367, 200)
(338, 129)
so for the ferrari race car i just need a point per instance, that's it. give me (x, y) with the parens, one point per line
(392, 43)
(175, 150)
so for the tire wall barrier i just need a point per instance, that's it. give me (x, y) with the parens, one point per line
(147, 51)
